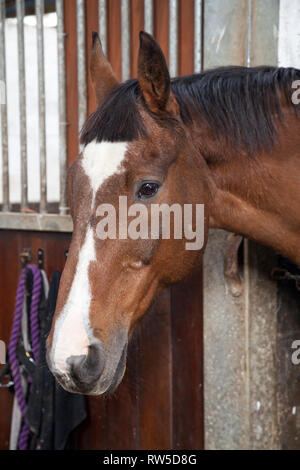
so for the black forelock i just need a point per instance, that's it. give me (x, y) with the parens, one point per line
(118, 118)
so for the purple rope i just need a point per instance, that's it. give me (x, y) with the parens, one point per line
(13, 343)
(34, 310)
(24, 437)
(14, 339)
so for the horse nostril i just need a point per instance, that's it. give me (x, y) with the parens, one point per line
(77, 366)
(87, 369)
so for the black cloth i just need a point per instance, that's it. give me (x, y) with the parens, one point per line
(52, 412)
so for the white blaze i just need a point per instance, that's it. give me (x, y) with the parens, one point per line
(100, 161)
(70, 336)
(72, 329)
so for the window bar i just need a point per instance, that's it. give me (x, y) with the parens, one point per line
(3, 110)
(22, 103)
(173, 38)
(148, 16)
(198, 35)
(249, 32)
(125, 32)
(81, 65)
(62, 106)
(102, 15)
(39, 11)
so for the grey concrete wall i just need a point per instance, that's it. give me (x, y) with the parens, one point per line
(240, 332)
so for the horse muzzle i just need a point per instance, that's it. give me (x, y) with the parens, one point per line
(92, 374)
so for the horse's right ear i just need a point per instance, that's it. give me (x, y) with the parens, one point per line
(153, 76)
(102, 74)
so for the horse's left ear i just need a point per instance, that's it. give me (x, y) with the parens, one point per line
(102, 74)
(153, 76)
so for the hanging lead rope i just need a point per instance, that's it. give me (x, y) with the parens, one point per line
(34, 310)
(14, 339)
(13, 342)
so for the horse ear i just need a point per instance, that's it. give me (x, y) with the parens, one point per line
(102, 74)
(153, 76)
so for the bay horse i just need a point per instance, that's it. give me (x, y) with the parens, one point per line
(227, 138)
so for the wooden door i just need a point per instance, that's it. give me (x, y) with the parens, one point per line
(159, 404)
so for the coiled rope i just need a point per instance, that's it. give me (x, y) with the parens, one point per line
(14, 340)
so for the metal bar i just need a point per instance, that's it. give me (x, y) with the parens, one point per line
(3, 111)
(173, 38)
(148, 16)
(22, 103)
(81, 63)
(39, 11)
(125, 31)
(102, 15)
(198, 35)
(249, 32)
(62, 108)
(40, 222)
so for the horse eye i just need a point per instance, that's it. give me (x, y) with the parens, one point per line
(147, 190)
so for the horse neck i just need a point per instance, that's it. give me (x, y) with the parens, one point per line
(257, 196)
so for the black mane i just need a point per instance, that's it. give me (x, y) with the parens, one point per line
(237, 102)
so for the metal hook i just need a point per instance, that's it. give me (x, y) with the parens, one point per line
(40, 258)
(25, 257)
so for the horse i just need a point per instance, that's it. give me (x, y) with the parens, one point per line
(227, 139)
